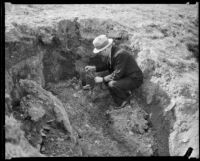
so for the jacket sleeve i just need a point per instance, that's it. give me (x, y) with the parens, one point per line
(119, 68)
(102, 67)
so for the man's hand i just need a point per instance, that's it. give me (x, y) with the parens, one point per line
(90, 68)
(98, 79)
(108, 78)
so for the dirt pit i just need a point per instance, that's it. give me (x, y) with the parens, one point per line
(44, 93)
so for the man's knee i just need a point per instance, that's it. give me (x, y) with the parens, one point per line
(111, 84)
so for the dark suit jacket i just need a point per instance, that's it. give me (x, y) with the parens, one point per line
(122, 65)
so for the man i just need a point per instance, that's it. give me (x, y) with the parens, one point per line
(125, 75)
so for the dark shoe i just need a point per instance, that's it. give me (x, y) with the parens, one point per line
(86, 87)
(124, 103)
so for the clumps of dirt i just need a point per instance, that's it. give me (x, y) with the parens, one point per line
(57, 143)
(191, 39)
(193, 47)
(131, 129)
(22, 61)
(42, 118)
(39, 113)
(34, 105)
(90, 28)
(16, 144)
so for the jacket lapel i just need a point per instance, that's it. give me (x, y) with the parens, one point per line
(113, 51)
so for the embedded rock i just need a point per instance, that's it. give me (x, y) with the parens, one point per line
(16, 144)
(46, 104)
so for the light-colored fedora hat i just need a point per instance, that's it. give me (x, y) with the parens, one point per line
(100, 43)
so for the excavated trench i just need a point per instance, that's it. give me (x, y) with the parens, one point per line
(55, 60)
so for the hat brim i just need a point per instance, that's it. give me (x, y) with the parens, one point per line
(110, 41)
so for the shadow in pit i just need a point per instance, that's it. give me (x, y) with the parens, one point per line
(160, 123)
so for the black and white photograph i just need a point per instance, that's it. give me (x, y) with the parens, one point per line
(101, 80)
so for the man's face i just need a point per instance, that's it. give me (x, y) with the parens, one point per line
(105, 52)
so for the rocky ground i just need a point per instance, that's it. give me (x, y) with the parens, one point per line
(49, 114)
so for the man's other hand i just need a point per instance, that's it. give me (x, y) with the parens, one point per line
(90, 68)
(98, 79)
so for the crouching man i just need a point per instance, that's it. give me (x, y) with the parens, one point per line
(125, 75)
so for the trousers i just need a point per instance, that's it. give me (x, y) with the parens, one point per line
(119, 89)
